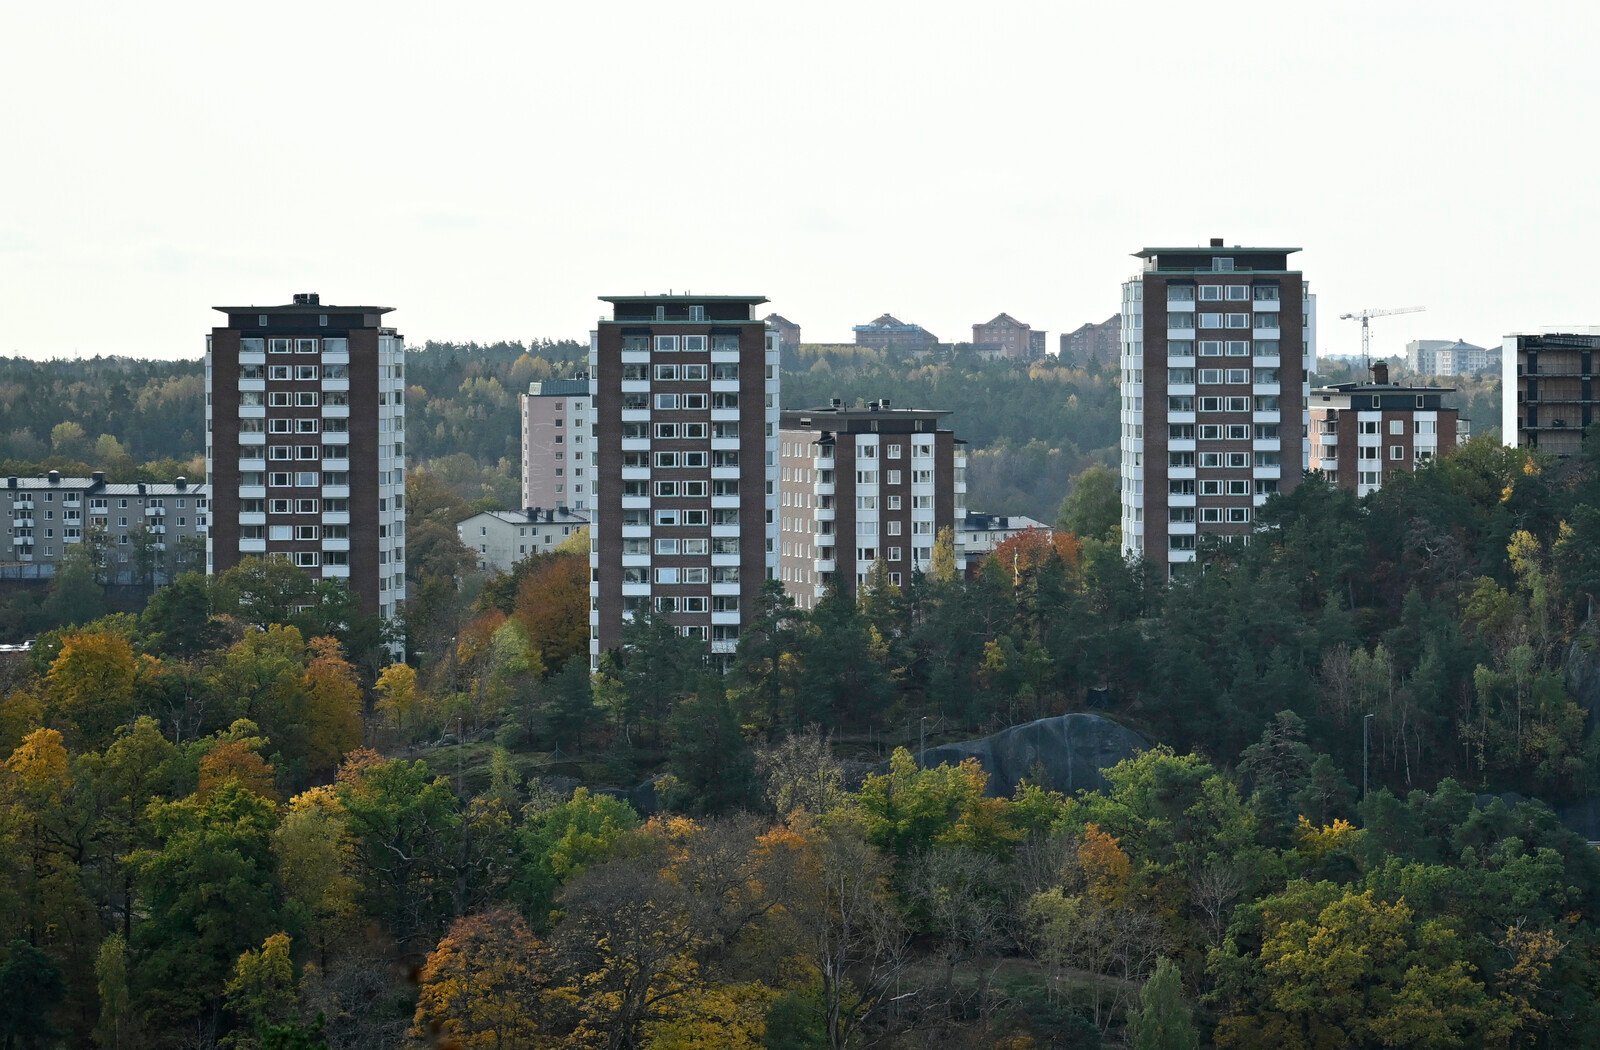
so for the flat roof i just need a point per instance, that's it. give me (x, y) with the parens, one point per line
(1381, 388)
(861, 412)
(1206, 249)
(305, 308)
(666, 297)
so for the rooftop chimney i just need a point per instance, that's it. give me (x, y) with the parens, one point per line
(837, 402)
(1216, 242)
(1380, 373)
(55, 477)
(307, 299)
(98, 477)
(182, 482)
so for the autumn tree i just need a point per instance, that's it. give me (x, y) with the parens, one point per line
(552, 605)
(90, 688)
(486, 984)
(332, 706)
(261, 993)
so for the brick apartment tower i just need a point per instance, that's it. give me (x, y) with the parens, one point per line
(860, 486)
(686, 439)
(1217, 344)
(558, 444)
(1362, 433)
(305, 444)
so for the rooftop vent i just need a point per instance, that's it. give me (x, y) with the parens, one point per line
(98, 477)
(182, 482)
(837, 402)
(55, 477)
(307, 299)
(1216, 242)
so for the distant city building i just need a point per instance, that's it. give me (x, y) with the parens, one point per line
(1093, 344)
(1038, 344)
(1361, 432)
(1217, 346)
(982, 533)
(686, 417)
(502, 538)
(558, 444)
(1446, 357)
(305, 451)
(788, 332)
(887, 332)
(142, 533)
(862, 486)
(1004, 336)
(1548, 396)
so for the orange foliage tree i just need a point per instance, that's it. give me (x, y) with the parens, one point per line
(553, 607)
(484, 986)
(1030, 549)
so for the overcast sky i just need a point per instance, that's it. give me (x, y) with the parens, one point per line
(488, 169)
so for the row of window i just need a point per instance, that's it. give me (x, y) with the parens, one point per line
(686, 402)
(256, 345)
(671, 460)
(1187, 403)
(1222, 431)
(681, 489)
(294, 506)
(1210, 515)
(1185, 293)
(1222, 459)
(295, 399)
(723, 371)
(687, 344)
(682, 574)
(673, 518)
(1235, 487)
(294, 373)
(1178, 322)
(1219, 376)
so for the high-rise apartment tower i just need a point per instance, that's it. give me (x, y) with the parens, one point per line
(686, 440)
(305, 444)
(1217, 344)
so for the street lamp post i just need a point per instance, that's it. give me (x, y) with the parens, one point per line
(922, 742)
(1366, 737)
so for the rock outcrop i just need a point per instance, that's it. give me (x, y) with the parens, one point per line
(1066, 752)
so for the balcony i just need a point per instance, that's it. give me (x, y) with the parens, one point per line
(336, 492)
(22, 523)
(335, 411)
(335, 572)
(252, 464)
(335, 517)
(252, 357)
(252, 546)
(826, 565)
(254, 438)
(335, 544)
(336, 357)
(156, 529)
(336, 385)
(723, 645)
(247, 517)
(252, 411)
(155, 512)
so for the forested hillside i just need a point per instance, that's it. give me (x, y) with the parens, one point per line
(227, 824)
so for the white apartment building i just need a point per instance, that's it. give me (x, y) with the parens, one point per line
(502, 538)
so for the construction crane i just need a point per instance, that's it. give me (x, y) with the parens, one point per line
(1366, 332)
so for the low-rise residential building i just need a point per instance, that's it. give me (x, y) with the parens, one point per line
(501, 538)
(888, 332)
(981, 533)
(860, 486)
(1363, 432)
(139, 532)
(558, 444)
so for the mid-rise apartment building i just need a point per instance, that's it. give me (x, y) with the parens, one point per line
(558, 444)
(1364, 432)
(980, 533)
(1004, 336)
(862, 486)
(139, 532)
(502, 538)
(788, 332)
(305, 444)
(686, 445)
(1548, 394)
(1093, 345)
(1446, 357)
(888, 332)
(1217, 345)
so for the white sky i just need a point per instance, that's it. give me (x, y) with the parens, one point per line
(489, 169)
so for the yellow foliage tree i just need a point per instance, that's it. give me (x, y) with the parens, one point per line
(333, 706)
(89, 689)
(484, 986)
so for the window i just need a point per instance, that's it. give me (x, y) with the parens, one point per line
(305, 372)
(1210, 376)
(1222, 264)
(278, 373)
(892, 451)
(1180, 293)
(1266, 293)
(893, 502)
(695, 374)
(305, 346)
(1210, 348)
(1180, 348)
(1267, 321)
(1211, 292)
(1210, 321)
(695, 344)
(665, 373)
(1238, 348)
(1239, 292)
(666, 344)
(1397, 452)
(697, 313)
(1397, 426)
(666, 402)
(1243, 320)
